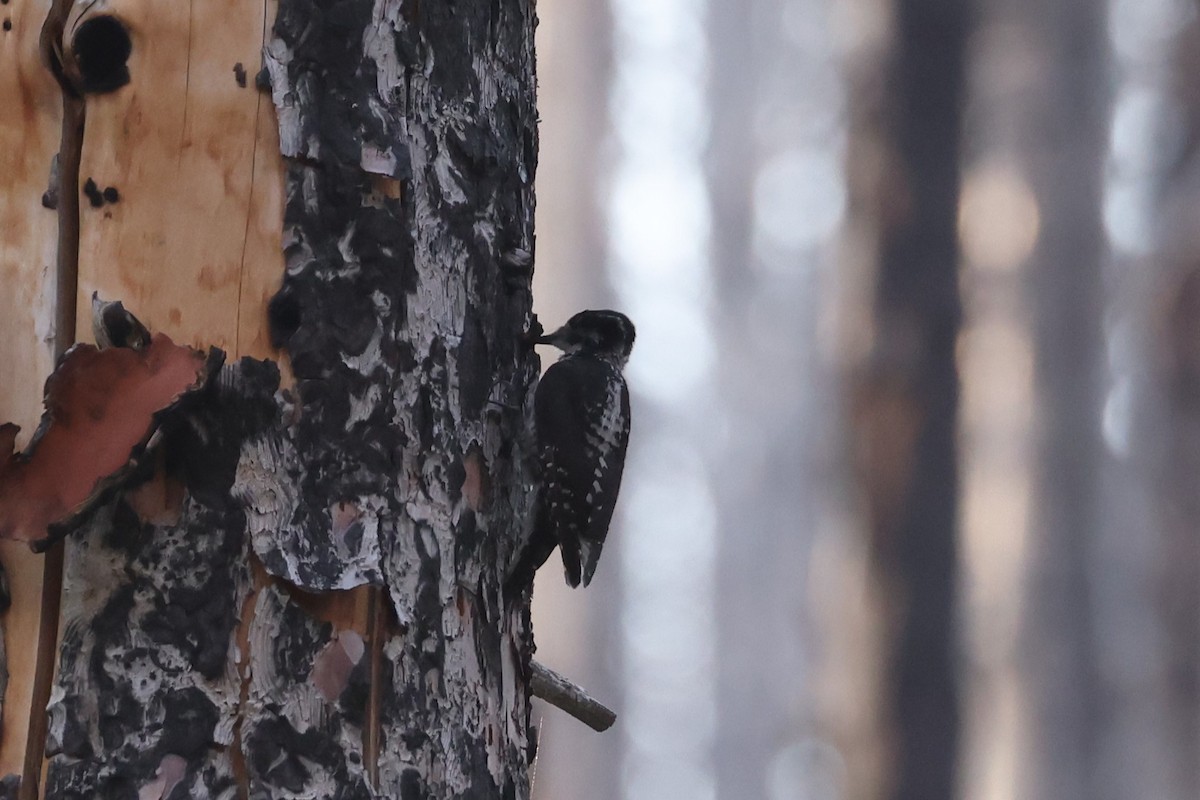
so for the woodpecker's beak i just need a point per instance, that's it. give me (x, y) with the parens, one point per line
(551, 338)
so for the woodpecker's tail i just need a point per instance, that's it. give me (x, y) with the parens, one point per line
(589, 557)
(572, 567)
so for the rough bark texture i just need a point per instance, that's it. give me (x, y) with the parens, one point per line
(304, 719)
(906, 396)
(148, 684)
(400, 302)
(396, 459)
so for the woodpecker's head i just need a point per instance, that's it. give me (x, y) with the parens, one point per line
(603, 334)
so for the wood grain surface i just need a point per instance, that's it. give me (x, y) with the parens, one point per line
(29, 132)
(192, 244)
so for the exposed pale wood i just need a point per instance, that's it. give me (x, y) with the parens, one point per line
(24, 570)
(183, 122)
(63, 195)
(29, 132)
(193, 248)
(262, 254)
(179, 144)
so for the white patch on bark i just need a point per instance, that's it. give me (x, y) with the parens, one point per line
(266, 485)
(276, 58)
(101, 581)
(301, 704)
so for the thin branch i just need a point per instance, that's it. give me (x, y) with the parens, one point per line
(558, 691)
(58, 58)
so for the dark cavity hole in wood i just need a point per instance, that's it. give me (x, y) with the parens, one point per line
(283, 317)
(92, 192)
(8, 24)
(102, 46)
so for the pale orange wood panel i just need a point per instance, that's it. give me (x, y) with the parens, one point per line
(193, 245)
(30, 118)
(187, 149)
(30, 114)
(262, 261)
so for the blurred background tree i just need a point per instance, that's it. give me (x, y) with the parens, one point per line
(911, 508)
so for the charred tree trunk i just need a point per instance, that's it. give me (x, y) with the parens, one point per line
(905, 401)
(216, 632)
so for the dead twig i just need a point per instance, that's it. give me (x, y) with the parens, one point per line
(558, 691)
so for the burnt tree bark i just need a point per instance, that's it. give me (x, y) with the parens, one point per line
(908, 111)
(215, 636)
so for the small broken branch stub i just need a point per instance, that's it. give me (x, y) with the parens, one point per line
(558, 691)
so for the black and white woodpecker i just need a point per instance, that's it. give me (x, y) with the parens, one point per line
(581, 425)
(113, 326)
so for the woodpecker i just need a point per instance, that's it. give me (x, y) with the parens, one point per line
(581, 426)
(113, 326)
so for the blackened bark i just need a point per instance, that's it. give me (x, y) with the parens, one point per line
(303, 721)
(906, 404)
(147, 686)
(397, 459)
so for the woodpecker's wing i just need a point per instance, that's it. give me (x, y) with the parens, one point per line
(581, 410)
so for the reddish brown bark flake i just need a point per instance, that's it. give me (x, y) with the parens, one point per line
(102, 407)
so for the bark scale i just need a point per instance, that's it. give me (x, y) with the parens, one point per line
(194, 652)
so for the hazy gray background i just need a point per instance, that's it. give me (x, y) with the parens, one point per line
(693, 174)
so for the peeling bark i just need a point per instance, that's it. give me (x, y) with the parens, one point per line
(396, 460)
(102, 408)
(147, 691)
(404, 333)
